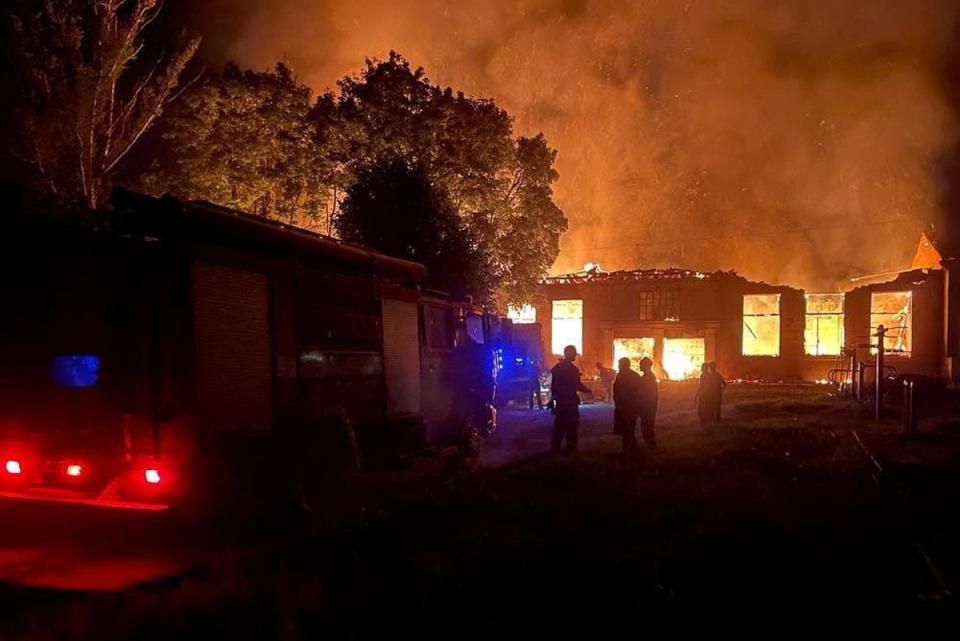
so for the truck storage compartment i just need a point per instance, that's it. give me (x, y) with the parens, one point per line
(232, 348)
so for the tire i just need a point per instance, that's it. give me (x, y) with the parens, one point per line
(324, 454)
(468, 453)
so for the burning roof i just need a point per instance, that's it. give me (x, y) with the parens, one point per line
(633, 275)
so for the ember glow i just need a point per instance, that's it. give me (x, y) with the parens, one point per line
(894, 311)
(761, 325)
(823, 333)
(633, 348)
(567, 325)
(682, 357)
(796, 141)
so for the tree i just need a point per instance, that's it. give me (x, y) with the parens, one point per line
(501, 187)
(526, 219)
(248, 140)
(84, 100)
(394, 208)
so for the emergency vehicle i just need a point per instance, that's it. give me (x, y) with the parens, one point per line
(146, 349)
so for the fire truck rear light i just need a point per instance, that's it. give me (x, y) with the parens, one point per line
(151, 476)
(74, 470)
(13, 467)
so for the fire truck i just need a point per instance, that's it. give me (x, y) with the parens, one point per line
(521, 362)
(164, 350)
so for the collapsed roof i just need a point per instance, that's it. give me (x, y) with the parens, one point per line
(633, 275)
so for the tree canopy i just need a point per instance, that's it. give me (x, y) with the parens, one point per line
(502, 187)
(394, 208)
(84, 96)
(258, 141)
(246, 140)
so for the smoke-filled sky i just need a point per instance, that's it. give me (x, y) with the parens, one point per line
(792, 140)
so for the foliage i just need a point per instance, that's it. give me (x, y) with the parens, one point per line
(501, 187)
(246, 140)
(394, 208)
(84, 97)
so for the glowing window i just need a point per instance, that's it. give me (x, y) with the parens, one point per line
(893, 310)
(567, 327)
(761, 325)
(522, 315)
(823, 333)
(683, 357)
(632, 348)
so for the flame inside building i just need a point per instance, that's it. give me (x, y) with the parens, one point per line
(633, 348)
(683, 357)
(682, 319)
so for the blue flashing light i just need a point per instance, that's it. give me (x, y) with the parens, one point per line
(76, 370)
(498, 359)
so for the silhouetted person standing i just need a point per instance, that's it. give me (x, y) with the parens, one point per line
(648, 402)
(718, 384)
(626, 399)
(534, 392)
(706, 396)
(565, 390)
(606, 379)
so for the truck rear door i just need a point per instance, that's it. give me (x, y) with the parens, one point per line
(231, 318)
(401, 357)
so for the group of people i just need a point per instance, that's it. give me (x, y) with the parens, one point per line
(634, 396)
(710, 394)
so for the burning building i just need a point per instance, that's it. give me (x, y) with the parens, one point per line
(753, 330)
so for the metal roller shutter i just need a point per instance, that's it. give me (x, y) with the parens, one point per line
(401, 357)
(232, 347)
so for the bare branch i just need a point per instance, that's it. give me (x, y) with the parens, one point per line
(82, 108)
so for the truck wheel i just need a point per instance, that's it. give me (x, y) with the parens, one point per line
(469, 448)
(325, 452)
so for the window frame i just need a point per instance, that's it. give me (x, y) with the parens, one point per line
(807, 314)
(658, 304)
(429, 320)
(554, 319)
(872, 330)
(743, 323)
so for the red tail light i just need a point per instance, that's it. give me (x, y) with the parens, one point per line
(74, 470)
(13, 467)
(151, 476)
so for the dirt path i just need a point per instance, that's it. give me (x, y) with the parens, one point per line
(524, 433)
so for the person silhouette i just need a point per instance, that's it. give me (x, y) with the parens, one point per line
(648, 403)
(718, 383)
(706, 395)
(626, 404)
(565, 391)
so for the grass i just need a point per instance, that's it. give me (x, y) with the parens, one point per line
(770, 517)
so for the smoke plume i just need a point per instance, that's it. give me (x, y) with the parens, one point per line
(792, 140)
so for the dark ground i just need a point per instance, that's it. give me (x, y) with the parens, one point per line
(769, 522)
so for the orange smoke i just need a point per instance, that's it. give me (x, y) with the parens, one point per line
(790, 140)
